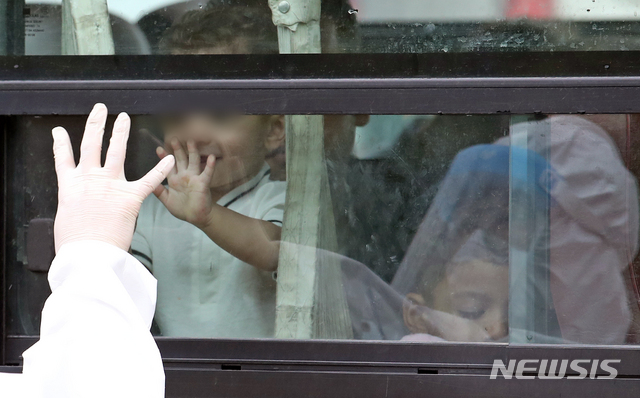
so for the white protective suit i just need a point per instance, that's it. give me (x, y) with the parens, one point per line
(593, 230)
(94, 338)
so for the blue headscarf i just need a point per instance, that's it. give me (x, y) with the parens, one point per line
(474, 195)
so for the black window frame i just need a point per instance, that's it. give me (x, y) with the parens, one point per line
(478, 83)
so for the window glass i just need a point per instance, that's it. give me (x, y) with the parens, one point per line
(403, 26)
(425, 228)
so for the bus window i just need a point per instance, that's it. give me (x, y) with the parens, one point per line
(404, 26)
(466, 228)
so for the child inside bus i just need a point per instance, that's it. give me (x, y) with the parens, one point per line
(215, 279)
(210, 236)
(455, 275)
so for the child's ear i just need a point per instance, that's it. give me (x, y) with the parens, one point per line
(276, 134)
(413, 314)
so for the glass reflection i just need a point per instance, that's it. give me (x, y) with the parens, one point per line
(572, 222)
(458, 228)
(404, 26)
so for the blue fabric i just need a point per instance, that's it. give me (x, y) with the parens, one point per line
(494, 159)
(484, 169)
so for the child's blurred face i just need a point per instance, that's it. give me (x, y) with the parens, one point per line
(238, 142)
(475, 294)
(339, 130)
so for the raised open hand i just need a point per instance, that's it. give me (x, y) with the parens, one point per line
(95, 202)
(188, 196)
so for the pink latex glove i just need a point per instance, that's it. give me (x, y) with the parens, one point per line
(95, 202)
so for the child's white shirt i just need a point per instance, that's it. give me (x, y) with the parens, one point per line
(203, 291)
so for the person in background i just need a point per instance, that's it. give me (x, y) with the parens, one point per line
(452, 274)
(594, 227)
(103, 299)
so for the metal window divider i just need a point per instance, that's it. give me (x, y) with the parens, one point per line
(310, 299)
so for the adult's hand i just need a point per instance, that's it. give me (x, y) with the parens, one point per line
(95, 202)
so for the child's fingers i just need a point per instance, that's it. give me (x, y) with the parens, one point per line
(161, 152)
(194, 157)
(207, 173)
(178, 152)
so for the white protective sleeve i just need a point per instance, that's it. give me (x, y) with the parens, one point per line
(94, 339)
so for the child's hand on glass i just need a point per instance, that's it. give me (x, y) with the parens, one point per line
(188, 196)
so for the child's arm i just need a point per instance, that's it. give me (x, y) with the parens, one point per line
(188, 198)
(253, 241)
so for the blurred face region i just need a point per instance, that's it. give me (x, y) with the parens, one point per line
(238, 142)
(469, 304)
